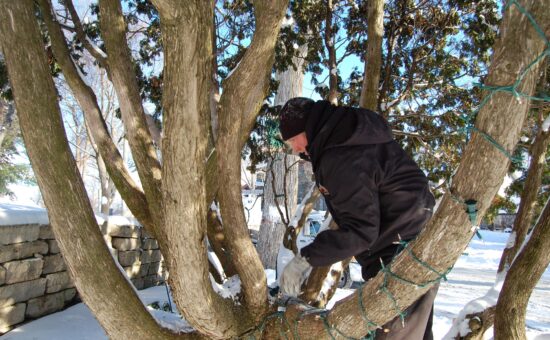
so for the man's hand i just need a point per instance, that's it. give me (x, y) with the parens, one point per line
(294, 275)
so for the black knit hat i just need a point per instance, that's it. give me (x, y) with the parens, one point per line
(293, 116)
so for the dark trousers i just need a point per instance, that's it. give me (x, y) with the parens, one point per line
(419, 316)
(418, 321)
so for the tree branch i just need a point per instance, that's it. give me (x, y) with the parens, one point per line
(237, 113)
(130, 192)
(133, 115)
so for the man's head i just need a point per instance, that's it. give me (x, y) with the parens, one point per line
(293, 117)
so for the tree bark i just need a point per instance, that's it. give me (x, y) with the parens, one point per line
(119, 311)
(332, 65)
(237, 114)
(187, 27)
(521, 279)
(373, 58)
(280, 191)
(7, 119)
(123, 77)
(524, 217)
(283, 171)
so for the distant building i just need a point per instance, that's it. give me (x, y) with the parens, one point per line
(500, 222)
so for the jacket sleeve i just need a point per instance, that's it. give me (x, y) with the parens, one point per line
(353, 199)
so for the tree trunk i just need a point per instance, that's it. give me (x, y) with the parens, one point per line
(332, 65)
(94, 272)
(187, 26)
(373, 58)
(281, 174)
(107, 186)
(123, 77)
(7, 119)
(280, 191)
(522, 278)
(237, 115)
(130, 192)
(524, 217)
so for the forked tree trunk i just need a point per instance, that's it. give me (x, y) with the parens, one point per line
(373, 58)
(186, 103)
(522, 278)
(120, 311)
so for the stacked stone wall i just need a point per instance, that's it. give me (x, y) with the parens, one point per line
(34, 280)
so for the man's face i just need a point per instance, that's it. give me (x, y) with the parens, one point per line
(298, 143)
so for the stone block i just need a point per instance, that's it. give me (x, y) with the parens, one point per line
(138, 283)
(53, 247)
(150, 243)
(151, 280)
(24, 270)
(2, 275)
(145, 234)
(148, 256)
(19, 251)
(58, 281)
(12, 315)
(10, 234)
(126, 231)
(125, 244)
(53, 264)
(46, 304)
(133, 271)
(22, 291)
(69, 294)
(144, 270)
(46, 232)
(154, 268)
(129, 258)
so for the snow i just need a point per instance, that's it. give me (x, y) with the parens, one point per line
(97, 50)
(16, 214)
(546, 124)
(20, 213)
(473, 277)
(287, 21)
(231, 288)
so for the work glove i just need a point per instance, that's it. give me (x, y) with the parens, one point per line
(294, 274)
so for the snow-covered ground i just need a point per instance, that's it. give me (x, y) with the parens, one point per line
(472, 276)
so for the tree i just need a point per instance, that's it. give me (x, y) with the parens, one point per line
(175, 193)
(281, 184)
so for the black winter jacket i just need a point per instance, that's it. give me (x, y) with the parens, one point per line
(374, 191)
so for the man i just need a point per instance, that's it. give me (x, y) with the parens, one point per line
(374, 191)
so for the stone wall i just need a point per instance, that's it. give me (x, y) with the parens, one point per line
(33, 278)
